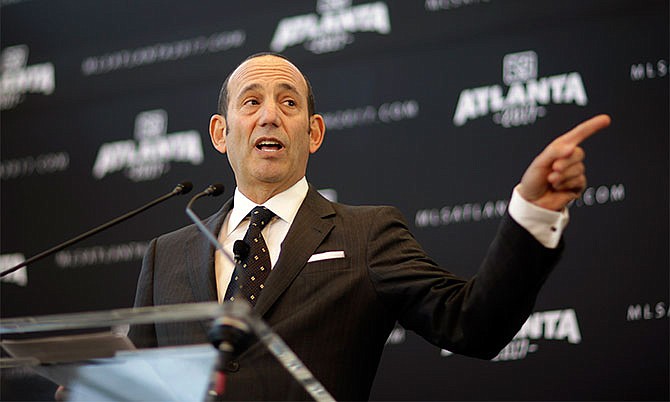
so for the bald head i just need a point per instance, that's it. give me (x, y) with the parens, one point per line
(223, 94)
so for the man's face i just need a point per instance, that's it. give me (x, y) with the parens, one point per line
(268, 134)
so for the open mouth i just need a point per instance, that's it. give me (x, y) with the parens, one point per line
(269, 145)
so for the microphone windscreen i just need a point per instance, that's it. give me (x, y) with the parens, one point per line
(240, 248)
(184, 187)
(215, 189)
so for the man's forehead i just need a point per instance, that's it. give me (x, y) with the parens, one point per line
(267, 67)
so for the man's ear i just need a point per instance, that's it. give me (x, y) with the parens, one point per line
(317, 131)
(217, 132)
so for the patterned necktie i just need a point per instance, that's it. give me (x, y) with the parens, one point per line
(253, 269)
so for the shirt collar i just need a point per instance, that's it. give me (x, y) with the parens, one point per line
(285, 204)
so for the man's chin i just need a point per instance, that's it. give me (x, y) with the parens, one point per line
(275, 179)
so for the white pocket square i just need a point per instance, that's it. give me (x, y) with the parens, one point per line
(328, 255)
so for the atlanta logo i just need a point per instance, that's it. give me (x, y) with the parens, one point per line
(17, 78)
(149, 155)
(332, 27)
(525, 97)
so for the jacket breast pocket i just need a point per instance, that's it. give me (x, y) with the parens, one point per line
(329, 265)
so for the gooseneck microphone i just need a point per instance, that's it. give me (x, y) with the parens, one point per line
(212, 190)
(227, 334)
(181, 188)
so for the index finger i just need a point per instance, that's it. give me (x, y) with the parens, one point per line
(585, 129)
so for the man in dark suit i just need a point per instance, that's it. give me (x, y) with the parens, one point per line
(341, 276)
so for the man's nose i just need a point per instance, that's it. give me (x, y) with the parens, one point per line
(269, 114)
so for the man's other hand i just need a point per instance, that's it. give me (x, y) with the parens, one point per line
(557, 175)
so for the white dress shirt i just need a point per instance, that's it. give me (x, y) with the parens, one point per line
(285, 205)
(545, 225)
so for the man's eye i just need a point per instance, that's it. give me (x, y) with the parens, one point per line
(290, 102)
(251, 102)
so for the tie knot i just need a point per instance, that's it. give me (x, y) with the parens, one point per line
(260, 216)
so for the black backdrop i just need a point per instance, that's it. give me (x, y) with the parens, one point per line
(105, 105)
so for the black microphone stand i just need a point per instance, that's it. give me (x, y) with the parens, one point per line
(181, 188)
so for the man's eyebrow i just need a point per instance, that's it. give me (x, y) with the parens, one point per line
(250, 87)
(288, 87)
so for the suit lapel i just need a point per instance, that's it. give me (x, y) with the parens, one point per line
(307, 232)
(201, 257)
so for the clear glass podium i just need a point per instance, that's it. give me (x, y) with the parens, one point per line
(91, 355)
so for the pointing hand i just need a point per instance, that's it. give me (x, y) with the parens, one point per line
(556, 176)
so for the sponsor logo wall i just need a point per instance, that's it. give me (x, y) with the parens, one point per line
(435, 107)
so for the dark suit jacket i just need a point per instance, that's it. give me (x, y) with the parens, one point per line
(337, 314)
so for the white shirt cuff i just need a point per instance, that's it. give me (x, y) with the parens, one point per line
(545, 225)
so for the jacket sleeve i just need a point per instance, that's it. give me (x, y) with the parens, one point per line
(475, 317)
(144, 335)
